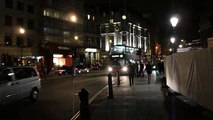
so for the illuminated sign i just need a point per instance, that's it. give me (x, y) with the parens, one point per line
(90, 50)
(63, 48)
(117, 56)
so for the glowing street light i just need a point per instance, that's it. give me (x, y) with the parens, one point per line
(21, 30)
(172, 39)
(124, 17)
(174, 21)
(73, 18)
(76, 37)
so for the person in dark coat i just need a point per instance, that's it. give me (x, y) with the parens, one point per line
(149, 71)
(131, 73)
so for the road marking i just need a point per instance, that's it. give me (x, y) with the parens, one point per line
(90, 101)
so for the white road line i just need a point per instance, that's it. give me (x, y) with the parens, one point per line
(90, 101)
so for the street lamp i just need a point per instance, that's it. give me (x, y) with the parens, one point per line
(174, 21)
(22, 32)
(73, 19)
(172, 39)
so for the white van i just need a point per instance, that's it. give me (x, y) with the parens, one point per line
(19, 82)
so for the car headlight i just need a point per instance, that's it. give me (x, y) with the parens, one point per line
(124, 69)
(110, 69)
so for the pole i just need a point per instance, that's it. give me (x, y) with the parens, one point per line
(118, 76)
(21, 54)
(84, 104)
(110, 85)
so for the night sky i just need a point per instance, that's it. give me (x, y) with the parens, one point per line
(161, 11)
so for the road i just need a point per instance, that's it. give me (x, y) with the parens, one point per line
(58, 98)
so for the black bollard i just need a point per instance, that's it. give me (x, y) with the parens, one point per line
(110, 85)
(164, 85)
(118, 77)
(84, 104)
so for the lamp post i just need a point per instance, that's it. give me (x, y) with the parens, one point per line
(174, 21)
(22, 32)
(73, 20)
(172, 39)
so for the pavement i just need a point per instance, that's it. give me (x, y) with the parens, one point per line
(143, 101)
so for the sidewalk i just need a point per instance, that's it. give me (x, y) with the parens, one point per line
(141, 101)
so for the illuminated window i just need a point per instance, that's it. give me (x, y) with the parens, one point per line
(93, 17)
(88, 17)
(45, 13)
(56, 15)
(111, 20)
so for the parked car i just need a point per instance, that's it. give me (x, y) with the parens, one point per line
(64, 70)
(97, 66)
(18, 82)
(82, 69)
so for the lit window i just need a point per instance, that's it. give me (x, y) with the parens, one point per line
(111, 20)
(45, 13)
(88, 17)
(56, 15)
(93, 17)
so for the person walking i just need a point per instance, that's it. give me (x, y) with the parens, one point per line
(141, 69)
(149, 71)
(131, 72)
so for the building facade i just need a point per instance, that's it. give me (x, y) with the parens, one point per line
(62, 41)
(20, 31)
(92, 36)
(124, 37)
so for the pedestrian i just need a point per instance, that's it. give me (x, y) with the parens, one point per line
(149, 71)
(141, 69)
(131, 72)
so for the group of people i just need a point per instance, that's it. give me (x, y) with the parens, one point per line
(132, 69)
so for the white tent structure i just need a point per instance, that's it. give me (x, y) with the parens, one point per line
(191, 74)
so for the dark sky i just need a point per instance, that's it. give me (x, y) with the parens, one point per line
(161, 11)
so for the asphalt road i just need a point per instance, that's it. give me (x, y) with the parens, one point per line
(58, 98)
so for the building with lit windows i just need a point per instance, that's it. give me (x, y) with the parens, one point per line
(20, 31)
(122, 36)
(92, 37)
(62, 32)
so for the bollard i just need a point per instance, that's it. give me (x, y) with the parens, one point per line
(84, 104)
(118, 77)
(163, 85)
(110, 85)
